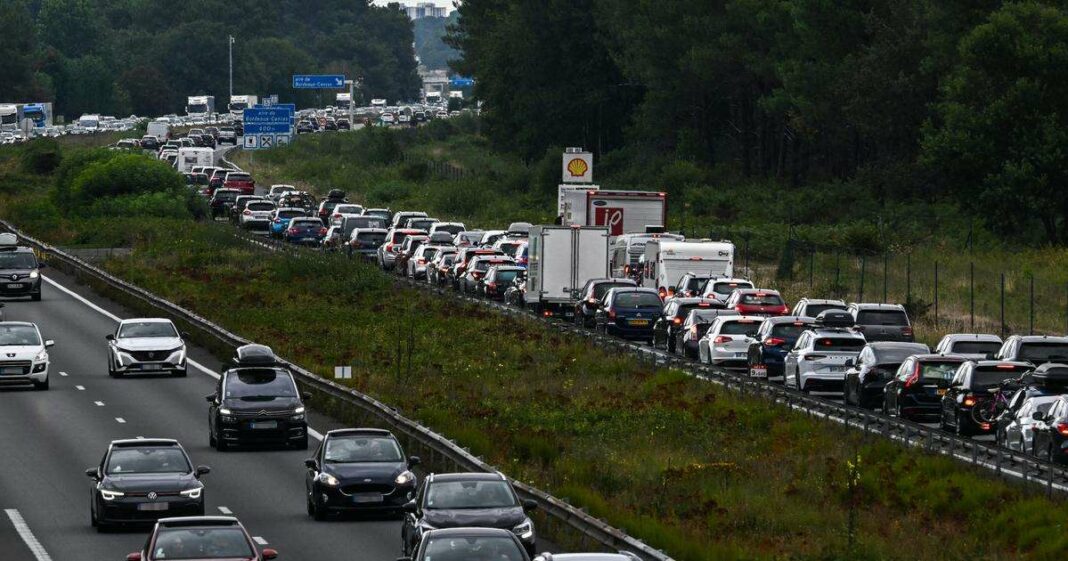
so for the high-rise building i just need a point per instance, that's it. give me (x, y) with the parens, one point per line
(416, 10)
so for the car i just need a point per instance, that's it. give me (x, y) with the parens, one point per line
(241, 181)
(149, 142)
(694, 328)
(773, 340)
(142, 480)
(217, 178)
(407, 251)
(257, 402)
(629, 312)
(26, 359)
(881, 322)
(974, 346)
(388, 251)
(20, 272)
(757, 302)
(361, 469)
(304, 231)
(276, 191)
(280, 220)
(873, 368)
(971, 388)
(452, 228)
(515, 293)
(463, 258)
(590, 296)
(468, 544)
(667, 326)
(820, 357)
(721, 288)
(364, 242)
(468, 238)
(1050, 379)
(221, 201)
(299, 199)
(915, 391)
(239, 205)
(508, 246)
(1018, 432)
(326, 208)
(497, 280)
(227, 135)
(1049, 439)
(207, 140)
(476, 269)
(257, 214)
(340, 234)
(402, 217)
(343, 125)
(812, 307)
(1033, 349)
(473, 500)
(344, 210)
(690, 285)
(146, 345)
(383, 213)
(621, 556)
(421, 257)
(200, 538)
(726, 342)
(489, 237)
(421, 223)
(442, 238)
(438, 269)
(305, 127)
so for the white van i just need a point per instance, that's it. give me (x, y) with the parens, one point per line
(627, 249)
(159, 129)
(188, 158)
(667, 261)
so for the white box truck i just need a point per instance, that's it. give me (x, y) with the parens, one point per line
(343, 101)
(622, 212)
(189, 158)
(239, 103)
(667, 261)
(561, 260)
(628, 249)
(9, 117)
(200, 105)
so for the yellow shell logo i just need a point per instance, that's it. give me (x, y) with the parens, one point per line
(577, 167)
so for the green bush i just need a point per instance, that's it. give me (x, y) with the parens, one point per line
(123, 174)
(41, 156)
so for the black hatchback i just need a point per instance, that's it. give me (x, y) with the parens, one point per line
(973, 387)
(20, 273)
(915, 390)
(359, 470)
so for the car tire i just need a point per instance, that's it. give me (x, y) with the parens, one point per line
(181, 373)
(302, 444)
(35, 297)
(41, 386)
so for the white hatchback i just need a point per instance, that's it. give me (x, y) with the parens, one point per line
(23, 355)
(726, 343)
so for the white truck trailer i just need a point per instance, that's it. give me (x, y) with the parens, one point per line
(189, 158)
(622, 212)
(667, 261)
(561, 260)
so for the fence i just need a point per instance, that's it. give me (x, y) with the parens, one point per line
(435, 168)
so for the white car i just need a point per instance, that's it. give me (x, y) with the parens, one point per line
(342, 210)
(257, 214)
(973, 346)
(726, 343)
(722, 288)
(276, 191)
(1019, 434)
(146, 345)
(820, 359)
(25, 355)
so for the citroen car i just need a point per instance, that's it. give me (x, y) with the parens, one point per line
(629, 312)
(25, 359)
(146, 345)
(257, 402)
(142, 480)
(359, 470)
(200, 538)
(20, 272)
(468, 544)
(454, 500)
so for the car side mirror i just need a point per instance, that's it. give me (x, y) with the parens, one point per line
(49, 343)
(203, 470)
(133, 557)
(184, 334)
(306, 396)
(42, 265)
(310, 463)
(410, 506)
(269, 554)
(110, 337)
(1038, 416)
(414, 461)
(210, 398)
(529, 505)
(91, 473)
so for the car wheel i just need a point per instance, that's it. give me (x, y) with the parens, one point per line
(301, 444)
(40, 386)
(181, 373)
(36, 297)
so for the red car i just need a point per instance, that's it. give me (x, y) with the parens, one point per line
(215, 180)
(200, 538)
(757, 302)
(241, 181)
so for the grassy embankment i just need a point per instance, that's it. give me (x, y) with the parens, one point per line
(691, 469)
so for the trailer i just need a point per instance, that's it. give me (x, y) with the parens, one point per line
(622, 212)
(561, 260)
(628, 249)
(189, 158)
(667, 261)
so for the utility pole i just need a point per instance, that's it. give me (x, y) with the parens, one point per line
(231, 42)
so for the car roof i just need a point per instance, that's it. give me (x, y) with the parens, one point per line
(135, 442)
(820, 301)
(18, 323)
(360, 431)
(874, 306)
(980, 337)
(185, 521)
(146, 320)
(468, 532)
(1037, 338)
(932, 356)
(468, 476)
(775, 320)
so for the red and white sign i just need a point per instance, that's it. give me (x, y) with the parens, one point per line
(610, 217)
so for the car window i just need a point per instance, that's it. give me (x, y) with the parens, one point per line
(747, 328)
(935, 370)
(19, 335)
(633, 300)
(882, 317)
(257, 205)
(147, 460)
(470, 494)
(361, 448)
(252, 384)
(482, 548)
(761, 299)
(728, 288)
(146, 329)
(600, 289)
(838, 344)
(201, 543)
(21, 260)
(788, 330)
(1043, 351)
(975, 348)
(290, 213)
(984, 378)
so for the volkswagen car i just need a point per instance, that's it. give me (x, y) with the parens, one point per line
(23, 355)
(358, 470)
(146, 346)
(200, 538)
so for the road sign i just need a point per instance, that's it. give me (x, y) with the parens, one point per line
(318, 81)
(281, 140)
(577, 166)
(251, 141)
(266, 140)
(268, 120)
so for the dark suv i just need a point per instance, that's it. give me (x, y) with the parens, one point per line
(971, 387)
(589, 298)
(20, 272)
(881, 322)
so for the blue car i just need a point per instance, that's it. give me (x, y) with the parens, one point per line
(280, 220)
(305, 231)
(774, 340)
(629, 313)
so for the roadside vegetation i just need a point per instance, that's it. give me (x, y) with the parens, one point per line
(692, 469)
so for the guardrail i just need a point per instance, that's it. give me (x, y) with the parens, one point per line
(572, 525)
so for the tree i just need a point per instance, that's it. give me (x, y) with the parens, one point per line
(17, 49)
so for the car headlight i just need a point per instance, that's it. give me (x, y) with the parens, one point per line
(404, 478)
(34, 274)
(177, 355)
(299, 410)
(328, 480)
(41, 356)
(192, 493)
(525, 530)
(110, 495)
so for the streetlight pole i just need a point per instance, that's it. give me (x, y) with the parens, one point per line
(231, 67)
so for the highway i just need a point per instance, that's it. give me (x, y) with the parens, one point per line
(53, 436)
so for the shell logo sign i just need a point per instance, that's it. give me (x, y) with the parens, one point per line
(577, 166)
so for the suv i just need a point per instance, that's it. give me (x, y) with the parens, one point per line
(589, 298)
(690, 285)
(146, 345)
(822, 355)
(256, 214)
(812, 307)
(974, 346)
(199, 537)
(722, 288)
(241, 181)
(275, 192)
(20, 272)
(26, 360)
(972, 385)
(227, 134)
(874, 367)
(257, 401)
(221, 201)
(916, 389)
(629, 312)
(881, 322)
(402, 217)
(387, 252)
(1034, 349)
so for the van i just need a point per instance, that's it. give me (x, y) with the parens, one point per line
(667, 261)
(188, 158)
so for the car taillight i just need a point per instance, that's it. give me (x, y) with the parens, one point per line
(322, 212)
(322, 231)
(1062, 428)
(611, 314)
(719, 340)
(491, 285)
(247, 212)
(421, 261)
(591, 300)
(292, 230)
(626, 269)
(815, 357)
(677, 321)
(774, 341)
(661, 292)
(693, 330)
(906, 331)
(337, 216)
(389, 246)
(277, 220)
(914, 377)
(969, 400)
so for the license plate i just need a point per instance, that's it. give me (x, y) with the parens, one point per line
(14, 285)
(11, 370)
(264, 424)
(153, 506)
(150, 367)
(639, 322)
(941, 391)
(364, 498)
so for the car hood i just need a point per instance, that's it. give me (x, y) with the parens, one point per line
(269, 405)
(148, 343)
(6, 273)
(145, 482)
(506, 518)
(377, 472)
(20, 352)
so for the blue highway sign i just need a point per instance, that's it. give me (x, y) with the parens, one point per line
(318, 81)
(268, 120)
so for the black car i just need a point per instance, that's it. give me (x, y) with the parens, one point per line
(497, 280)
(774, 339)
(589, 298)
(694, 328)
(1050, 432)
(257, 402)
(465, 500)
(143, 480)
(915, 391)
(149, 143)
(221, 201)
(669, 325)
(876, 364)
(971, 387)
(359, 470)
(468, 544)
(20, 272)
(691, 284)
(207, 140)
(629, 313)
(305, 127)
(343, 125)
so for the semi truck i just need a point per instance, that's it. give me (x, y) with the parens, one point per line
(239, 103)
(622, 212)
(39, 113)
(560, 261)
(665, 262)
(343, 101)
(91, 123)
(200, 105)
(9, 117)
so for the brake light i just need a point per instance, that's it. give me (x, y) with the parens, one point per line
(774, 341)
(292, 230)
(337, 215)
(322, 231)
(722, 339)
(815, 357)
(662, 293)
(703, 304)
(906, 331)
(1062, 428)
(389, 246)
(591, 300)
(626, 269)
(611, 314)
(421, 261)
(277, 220)
(914, 377)
(969, 400)
(491, 285)
(1007, 366)
(693, 330)
(677, 321)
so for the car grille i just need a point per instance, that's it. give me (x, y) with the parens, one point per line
(150, 355)
(158, 494)
(267, 415)
(383, 488)
(24, 365)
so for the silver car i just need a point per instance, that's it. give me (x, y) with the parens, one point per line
(1019, 434)
(146, 346)
(726, 343)
(973, 346)
(820, 359)
(722, 288)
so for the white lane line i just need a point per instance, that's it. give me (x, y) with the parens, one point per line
(259, 540)
(80, 388)
(99, 403)
(120, 420)
(315, 434)
(64, 374)
(27, 536)
(139, 437)
(225, 510)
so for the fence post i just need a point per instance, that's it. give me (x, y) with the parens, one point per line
(812, 266)
(886, 265)
(863, 266)
(748, 273)
(837, 269)
(1003, 304)
(971, 293)
(936, 293)
(908, 277)
(1032, 295)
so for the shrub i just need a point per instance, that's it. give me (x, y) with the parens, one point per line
(42, 156)
(123, 174)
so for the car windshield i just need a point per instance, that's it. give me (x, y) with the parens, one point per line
(472, 548)
(761, 299)
(251, 384)
(17, 261)
(897, 355)
(485, 265)
(506, 276)
(352, 449)
(882, 317)
(260, 206)
(19, 335)
(147, 460)
(450, 228)
(310, 223)
(813, 310)
(975, 348)
(147, 329)
(747, 328)
(695, 284)
(989, 378)
(938, 371)
(728, 288)
(838, 344)
(790, 330)
(1043, 351)
(625, 300)
(371, 237)
(600, 289)
(348, 209)
(202, 543)
(225, 196)
(384, 214)
(290, 213)
(238, 177)
(470, 494)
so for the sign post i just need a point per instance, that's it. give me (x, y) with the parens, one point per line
(577, 166)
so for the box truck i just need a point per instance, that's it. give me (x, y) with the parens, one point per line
(238, 104)
(189, 158)
(160, 129)
(667, 261)
(622, 212)
(343, 101)
(200, 105)
(560, 261)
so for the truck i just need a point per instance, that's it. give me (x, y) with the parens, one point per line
(91, 123)
(343, 101)
(39, 113)
(161, 129)
(9, 117)
(433, 98)
(378, 103)
(200, 105)
(561, 260)
(189, 158)
(665, 262)
(238, 104)
(627, 250)
(622, 212)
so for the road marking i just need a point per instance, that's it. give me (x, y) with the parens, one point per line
(99, 403)
(64, 374)
(259, 540)
(140, 437)
(225, 510)
(80, 388)
(315, 434)
(120, 420)
(27, 536)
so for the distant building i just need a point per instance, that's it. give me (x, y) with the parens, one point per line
(416, 10)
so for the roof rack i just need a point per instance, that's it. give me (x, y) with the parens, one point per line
(255, 355)
(835, 319)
